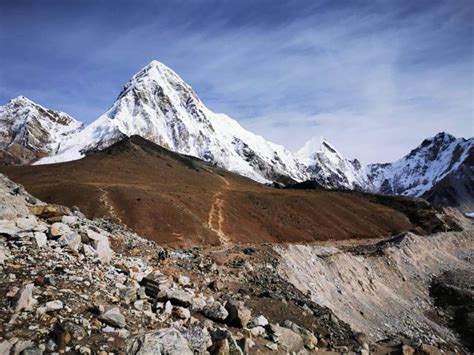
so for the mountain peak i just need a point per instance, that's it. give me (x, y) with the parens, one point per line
(443, 136)
(419, 170)
(329, 168)
(316, 146)
(22, 100)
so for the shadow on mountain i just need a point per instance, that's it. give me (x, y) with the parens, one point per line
(180, 200)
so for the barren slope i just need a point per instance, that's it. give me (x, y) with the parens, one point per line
(176, 199)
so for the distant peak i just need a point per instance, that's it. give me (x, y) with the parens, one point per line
(22, 99)
(444, 136)
(156, 67)
(157, 64)
(441, 137)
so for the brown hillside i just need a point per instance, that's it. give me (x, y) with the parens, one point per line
(183, 201)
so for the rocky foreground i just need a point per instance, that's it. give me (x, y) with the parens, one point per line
(73, 285)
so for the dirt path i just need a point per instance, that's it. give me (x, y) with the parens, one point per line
(216, 217)
(104, 198)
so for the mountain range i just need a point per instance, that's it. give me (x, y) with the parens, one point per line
(159, 106)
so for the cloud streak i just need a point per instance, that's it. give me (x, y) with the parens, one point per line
(375, 78)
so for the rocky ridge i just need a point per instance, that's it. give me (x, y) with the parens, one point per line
(29, 131)
(419, 171)
(73, 285)
(160, 106)
(326, 166)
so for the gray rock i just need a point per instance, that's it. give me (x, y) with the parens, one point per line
(222, 339)
(259, 321)
(32, 350)
(69, 220)
(27, 223)
(71, 240)
(58, 229)
(181, 312)
(87, 250)
(179, 297)
(239, 315)
(215, 311)
(198, 338)
(53, 306)
(114, 318)
(8, 228)
(102, 248)
(309, 339)
(4, 254)
(286, 338)
(40, 239)
(5, 347)
(24, 299)
(128, 295)
(257, 331)
(165, 341)
(20, 346)
(76, 331)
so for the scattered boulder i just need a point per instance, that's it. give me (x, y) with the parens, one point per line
(8, 228)
(24, 300)
(32, 350)
(216, 285)
(181, 312)
(178, 297)
(310, 340)
(215, 311)
(198, 338)
(4, 254)
(286, 339)
(58, 229)
(40, 239)
(5, 347)
(113, 317)
(164, 341)
(101, 246)
(27, 223)
(259, 321)
(239, 315)
(71, 240)
(20, 346)
(257, 331)
(53, 306)
(49, 211)
(225, 343)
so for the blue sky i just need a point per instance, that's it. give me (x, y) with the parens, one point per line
(373, 77)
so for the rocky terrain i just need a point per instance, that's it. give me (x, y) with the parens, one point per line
(182, 201)
(69, 284)
(29, 131)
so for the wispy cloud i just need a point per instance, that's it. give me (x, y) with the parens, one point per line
(375, 78)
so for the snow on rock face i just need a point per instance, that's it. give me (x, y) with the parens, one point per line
(159, 106)
(328, 167)
(417, 172)
(29, 131)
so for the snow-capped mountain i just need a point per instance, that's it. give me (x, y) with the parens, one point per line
(29, 131)
(159, 106)
(418, 172)
(325, 165)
